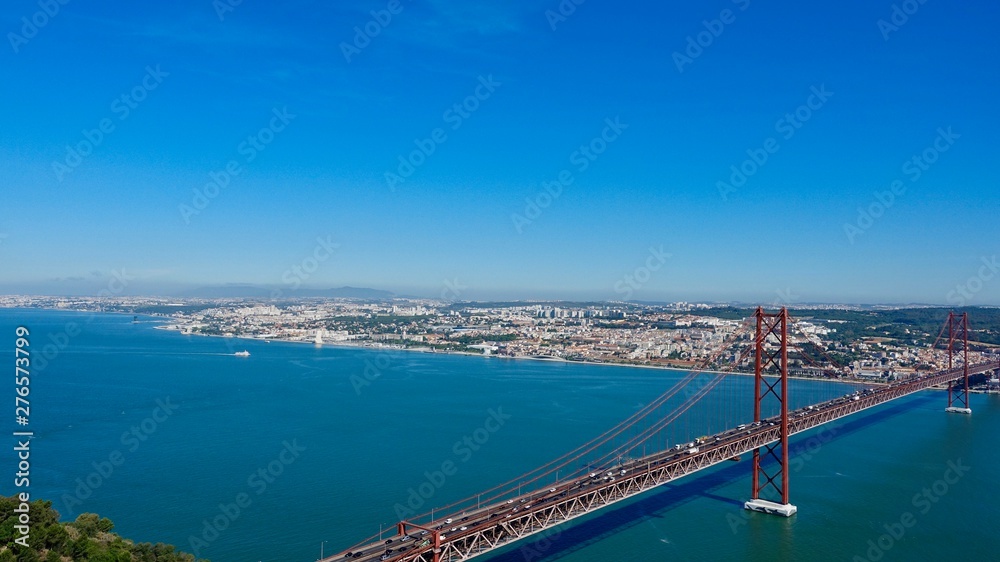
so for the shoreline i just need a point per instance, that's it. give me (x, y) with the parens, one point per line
(557, 360)
(167, 326)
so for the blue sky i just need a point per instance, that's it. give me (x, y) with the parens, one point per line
(198, 85)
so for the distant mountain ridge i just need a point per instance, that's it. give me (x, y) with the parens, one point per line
(261, 292)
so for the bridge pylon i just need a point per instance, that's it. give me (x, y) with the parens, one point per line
(958, 332)
(771, 351)
(434, 539)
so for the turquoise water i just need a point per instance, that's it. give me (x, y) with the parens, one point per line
(349, 457)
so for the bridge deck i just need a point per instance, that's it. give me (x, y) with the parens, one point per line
(473, 533)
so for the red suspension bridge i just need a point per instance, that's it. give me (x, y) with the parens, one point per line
(614, 466)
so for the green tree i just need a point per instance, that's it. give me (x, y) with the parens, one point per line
(89, 538)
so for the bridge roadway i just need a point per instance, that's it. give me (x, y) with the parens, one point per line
(479, 531)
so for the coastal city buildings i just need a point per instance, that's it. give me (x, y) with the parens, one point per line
(678, 335)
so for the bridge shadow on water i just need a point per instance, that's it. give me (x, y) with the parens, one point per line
(560, 542)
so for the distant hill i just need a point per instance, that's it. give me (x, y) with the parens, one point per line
(228, 292)
(344, 293)
(261, 292)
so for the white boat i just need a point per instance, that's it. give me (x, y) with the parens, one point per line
(243, 353)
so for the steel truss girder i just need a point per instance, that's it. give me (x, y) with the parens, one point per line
(660, 468)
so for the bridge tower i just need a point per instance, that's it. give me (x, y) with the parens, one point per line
(771, 351)
(958, 331)
(434, 539)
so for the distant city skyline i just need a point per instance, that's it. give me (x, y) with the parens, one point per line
(112, 288)
(725, 151)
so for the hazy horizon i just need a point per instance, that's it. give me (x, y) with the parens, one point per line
(280, 293)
